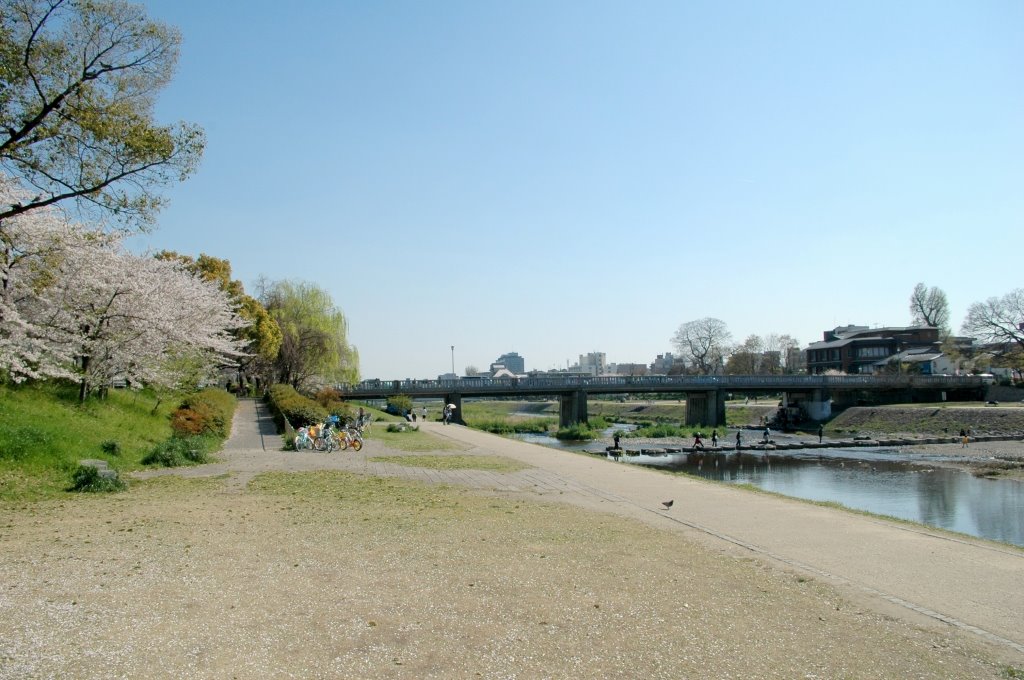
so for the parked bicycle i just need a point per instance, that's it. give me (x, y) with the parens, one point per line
(327, 441)
(350, 437)
(302, 439)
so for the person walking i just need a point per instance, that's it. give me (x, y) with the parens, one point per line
(697, 443)
(821, 432)
(423, 414)
(767, 434)
(739, 441)
(963, 439)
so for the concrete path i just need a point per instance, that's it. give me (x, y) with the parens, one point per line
(904, 570)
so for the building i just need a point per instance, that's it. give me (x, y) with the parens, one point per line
(859, 349)
(662, 364)
(921, 360)
(510, 361)
(629, 369)
(593, 363)
(796, 360)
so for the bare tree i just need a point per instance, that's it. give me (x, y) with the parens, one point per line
(746, 358)
(702, 343)
(929, 307)
(776, 348)
(998, 321)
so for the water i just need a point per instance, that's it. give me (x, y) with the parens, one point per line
(878, 481)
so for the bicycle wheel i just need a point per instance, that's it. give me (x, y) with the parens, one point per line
(319, 444)
(357, 444)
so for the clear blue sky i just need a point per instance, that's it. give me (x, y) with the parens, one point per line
(555, 178)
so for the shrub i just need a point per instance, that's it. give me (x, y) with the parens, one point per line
(576, 432)
(510, 425)
(658, 431)
(111, 448)
(88, 479)
(178, 451)
(206, 412)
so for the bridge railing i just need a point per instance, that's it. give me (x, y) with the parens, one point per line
(659, 382)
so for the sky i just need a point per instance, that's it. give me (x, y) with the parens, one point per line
(557, 178)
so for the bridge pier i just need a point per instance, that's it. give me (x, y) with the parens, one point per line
(705, 408)
(819, 406)
(455, 398)
(572, 408)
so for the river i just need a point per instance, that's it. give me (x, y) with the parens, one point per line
(881, 481)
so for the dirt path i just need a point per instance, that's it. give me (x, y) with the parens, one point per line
(900, 569)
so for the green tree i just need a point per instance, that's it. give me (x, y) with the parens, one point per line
(314, 335)
(401, 402)
(77, 86)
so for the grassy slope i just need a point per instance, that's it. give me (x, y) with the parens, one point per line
(44, 432)
(930, 419)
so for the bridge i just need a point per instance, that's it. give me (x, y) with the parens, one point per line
(705, 394)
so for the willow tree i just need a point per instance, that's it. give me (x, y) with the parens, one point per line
(314, 335)
(77, 85)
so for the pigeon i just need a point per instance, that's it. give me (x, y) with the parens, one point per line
(667, 504)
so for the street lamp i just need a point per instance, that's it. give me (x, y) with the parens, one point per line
(453, 362)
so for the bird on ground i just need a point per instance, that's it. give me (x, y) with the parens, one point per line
(668, 504)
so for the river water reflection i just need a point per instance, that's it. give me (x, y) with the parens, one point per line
(882, 482)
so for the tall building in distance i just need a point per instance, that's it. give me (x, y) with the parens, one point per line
(594, 363)
(662, 364)
(510, 361)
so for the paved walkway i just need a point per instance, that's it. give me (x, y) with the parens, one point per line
(905, 570)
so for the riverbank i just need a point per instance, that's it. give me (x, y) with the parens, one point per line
(372, 564)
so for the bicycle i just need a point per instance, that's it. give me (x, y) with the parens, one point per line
(303, 440)
(351, 437)
(327, 441)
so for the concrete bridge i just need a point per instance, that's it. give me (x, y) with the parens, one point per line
(705, 394)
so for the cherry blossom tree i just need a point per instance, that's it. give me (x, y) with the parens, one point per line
(75, 303)
(29, 245)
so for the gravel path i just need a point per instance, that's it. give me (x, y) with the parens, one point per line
(416, 573)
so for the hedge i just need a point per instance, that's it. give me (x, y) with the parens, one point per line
(299, 411)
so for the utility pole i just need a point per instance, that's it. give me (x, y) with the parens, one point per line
(453, 362)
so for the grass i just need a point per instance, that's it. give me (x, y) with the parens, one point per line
(410, 439)
(487, 463)
(497, 416)
(44, 432)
